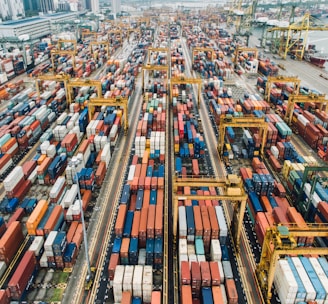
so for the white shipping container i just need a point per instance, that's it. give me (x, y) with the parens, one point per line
(128, 278)
(36, 245)
(221, 272)
(183, 248)
(192, 258)
(58, 185)
(222, 221)
(33, 176)
(3, 268)
(321, 275)
(49, 241)
(142, 256)
(191, 249)
(201, 258)
(118, 283)
(224, 294)
(147, 284)
(132, 169)
(44, 260)
(216, 253)
(182, 222)
(14, 177)
(137, 281)
(6, 166)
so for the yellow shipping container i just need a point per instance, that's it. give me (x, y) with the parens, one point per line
(36, 216)
(176, 148)
(41, 159)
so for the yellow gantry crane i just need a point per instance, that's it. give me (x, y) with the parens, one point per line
(99, 43)
(233, 190)
(241, 49)
(149, 67)
(282, 79)
(61, 41)
(109, 33)
(118, 101)
(281, 240)
(87, 33)
(293, 99)
(183, 80)
(164, 50)
(293, 38)
(61, 52)
(242, 122)
(59, 77)
(82, 83)
(202, 50)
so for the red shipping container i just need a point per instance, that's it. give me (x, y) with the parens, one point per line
(185, 273)
(78, 235)
(206, 274)
(113, 262)
(231, 290)
(21, 276)
(28, 167)
(4, 299)
(196, 279)
(17, 216)
(71, 231)
(11, 241)
(215, 273)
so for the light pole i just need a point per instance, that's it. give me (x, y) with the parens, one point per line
(74, 163)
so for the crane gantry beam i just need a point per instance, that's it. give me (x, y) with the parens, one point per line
(153, 49)
(242, 122)
(232, 191)
(293, 99)
(281, 79)
(82, 83)
(149, 67)
(288, 39)
(62, 52)
(61, 41)
(241, 49)
(59, 77)
(202, 50)
(281, 240)
(118, 101)
(99, 43)
(183, 80)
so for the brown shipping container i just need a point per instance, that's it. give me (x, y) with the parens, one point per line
(214, 222)
(11, 241)
(215, 273)
(186, 295)
(159, 221)
(206, 274)
(143, 227)
(217, 295)
(126, 297)
(185, 273)
(120, 220)
(86, 199)
(151, 221)
(156, 297)
(17, 216)
(196, 279)
(71, 231)
(198, 221)
(231, 290)
(21, 276)
(4, 299)
(206, 221)
(135, 224)
(113, 262)
(36, 216)
(53, 218)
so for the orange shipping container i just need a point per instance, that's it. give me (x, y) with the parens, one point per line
(77, 239)
(186, 297)
(135, 224)
(214, 222)
(44, 166)
(215, 273)
(151, 221)
(143, 227)
(36, 216)
(54, 217)
(231, 290)
(217, 295)
(126, 297)
(124, 251)
(71, 231)
(156, 297)
(159, 221)
(198, 221)
(120, 220)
